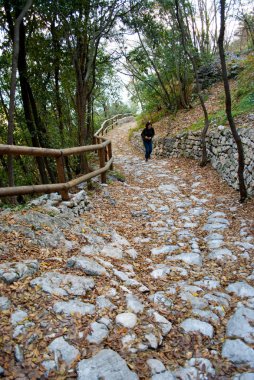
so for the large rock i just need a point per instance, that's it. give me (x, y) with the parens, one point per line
(88, 266)
(106, 365)
(63, 350)
(159, 371)
(99, 332)
(128, 320)
(63, 284)
(191, 258)
(134, 304)
(195, 325)
(164, 249)
(11, 272)
(5, 303)
(240, 325)
(111, 250)
(241, 289)
(238, 352)
(221, 254)
(73, 307)
(162, 322)
(18, 316)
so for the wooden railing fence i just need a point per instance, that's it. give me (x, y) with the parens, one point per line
(101, 145)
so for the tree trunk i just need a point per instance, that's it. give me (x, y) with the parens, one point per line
(13, 87)
(241, 164)
(204, 158)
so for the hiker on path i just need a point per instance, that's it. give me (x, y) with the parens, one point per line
(147, 136)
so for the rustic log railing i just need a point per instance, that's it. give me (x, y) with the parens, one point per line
(101, 145)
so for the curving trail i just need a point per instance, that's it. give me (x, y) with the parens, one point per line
(151, 279)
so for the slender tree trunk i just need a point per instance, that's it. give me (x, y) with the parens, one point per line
(162, 85)
(13, 87)
(241, 164)
(204, 158)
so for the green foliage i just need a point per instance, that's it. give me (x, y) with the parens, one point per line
(117, 175)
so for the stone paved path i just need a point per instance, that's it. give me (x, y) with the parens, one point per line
(154, 279)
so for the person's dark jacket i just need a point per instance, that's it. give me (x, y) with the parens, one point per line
(149, 132)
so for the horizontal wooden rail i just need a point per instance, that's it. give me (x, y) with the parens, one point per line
(45, 152)
(50, 188)
(102, 146)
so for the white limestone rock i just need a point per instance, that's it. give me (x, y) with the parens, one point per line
(238, 352)
(63, 350)
(107, 365)
(128, 320)
(73, 306)
(195, 325)
(63, 284)
(191, 258)
(241, 289)
(162, 322)
(104, 303)
(164, 249)
(209, 284)
(18, 316)
(5, 303)
(207, 316)
(110, 250)
(158, 370)
(88, 266)
(134, 304)
(203, 365)
(221, 254)
(244, 376)
(99, 332)
(240, 325)
(196, 302)
(11, 271)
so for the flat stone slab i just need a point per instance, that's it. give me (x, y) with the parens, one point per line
(11, 272)
(63, 284)
(164, 325)
(240, 325)
(168, 189)
(221, 254)
(238, 352)
(88, 266)
(99, 332)
(206, 315)
(73, 307)
(195, 325)
(5, 303)
(164, 249)
(63, 350)
(241, 289)
(106, 365)
(158, 370)
(111, 250)
(209, 284)
(134, 304)
(196, 302)
(244, 376)
(128, 320)
(104, 303)
(189, 258)
(18, 316)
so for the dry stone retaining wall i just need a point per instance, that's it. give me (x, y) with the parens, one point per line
(221, 148)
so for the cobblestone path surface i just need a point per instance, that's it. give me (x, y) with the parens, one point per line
(147, 278)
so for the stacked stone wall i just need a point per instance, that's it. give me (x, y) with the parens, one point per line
(222, 151)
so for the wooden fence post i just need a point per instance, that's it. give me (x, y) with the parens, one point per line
(110, 155)
(102, 164)
(61, 176)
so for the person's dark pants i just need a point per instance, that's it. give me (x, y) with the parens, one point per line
(148, 147)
